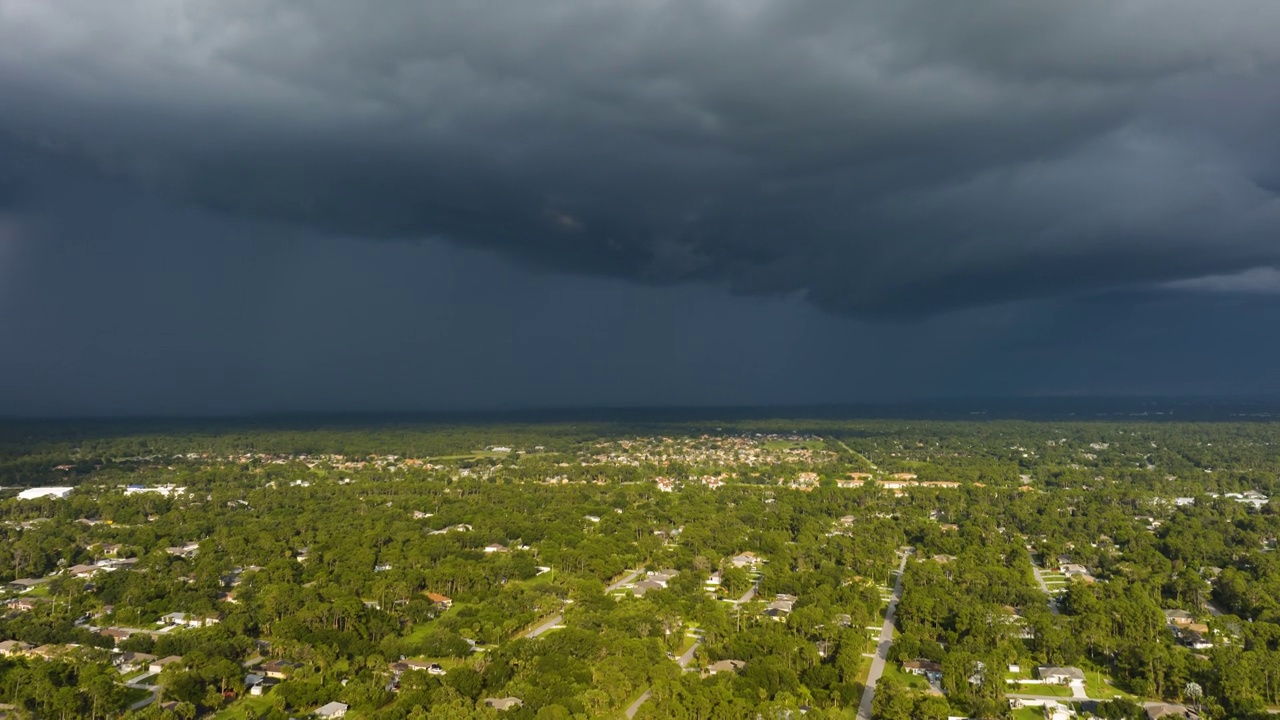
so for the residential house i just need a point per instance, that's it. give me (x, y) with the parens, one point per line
(49, 652)
(1195, 636)
(159, 665)
(12, 648)
(83, 571)
(440, 601)
(331, 710)
(924, 668)
(746, 559)
(1180, 618)
(25, 584)
(181, 618)
(1054, 675)
(663, 577)
(25, 604)
(780, 607)
(259, 684)
(504, 703)
(644, 586)
(117, 634)
(725, 666)
(277, 669)
(1155, 711)
(127, 662)
(187, 551)
(495, 548)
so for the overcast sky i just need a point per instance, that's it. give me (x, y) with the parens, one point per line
(227, 206)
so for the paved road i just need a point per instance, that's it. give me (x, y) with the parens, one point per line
(545, 626)
(1059, 698)
(631, 575)
(1053, 603)
(687, 657)
(683, 661)
(555, 620)
(635, 706)
(153, 697)
(138, 683)
(882, 649)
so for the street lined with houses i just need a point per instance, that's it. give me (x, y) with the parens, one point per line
(884, 643)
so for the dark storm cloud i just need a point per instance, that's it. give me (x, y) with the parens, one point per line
(884, 159)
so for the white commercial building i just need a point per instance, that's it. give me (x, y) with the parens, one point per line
(40, 492)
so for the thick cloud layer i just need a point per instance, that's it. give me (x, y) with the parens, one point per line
(886, 159)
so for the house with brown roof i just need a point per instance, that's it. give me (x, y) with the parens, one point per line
(127, 662)
(725, 666)
(25, 604)
(25, 584)
(439, 600)
(159, 665)
(83, 571)
(114, 633)
(12, 648)
(924, 668)
(1156, 711)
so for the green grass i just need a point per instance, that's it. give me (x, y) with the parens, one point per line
(248, 707)
(133, 695)
(1039, 689)
(685, 643)
(1097, 686)
(894, 670)
(40, 591)
(1028, 713)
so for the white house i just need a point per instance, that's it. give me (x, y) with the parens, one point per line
(331, 710)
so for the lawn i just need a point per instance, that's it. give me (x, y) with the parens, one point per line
(1099, 686)
(894, 670)
(1028, 713)
(248, 707)
(1040, 689)
(133, 695)
(1025, 674)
